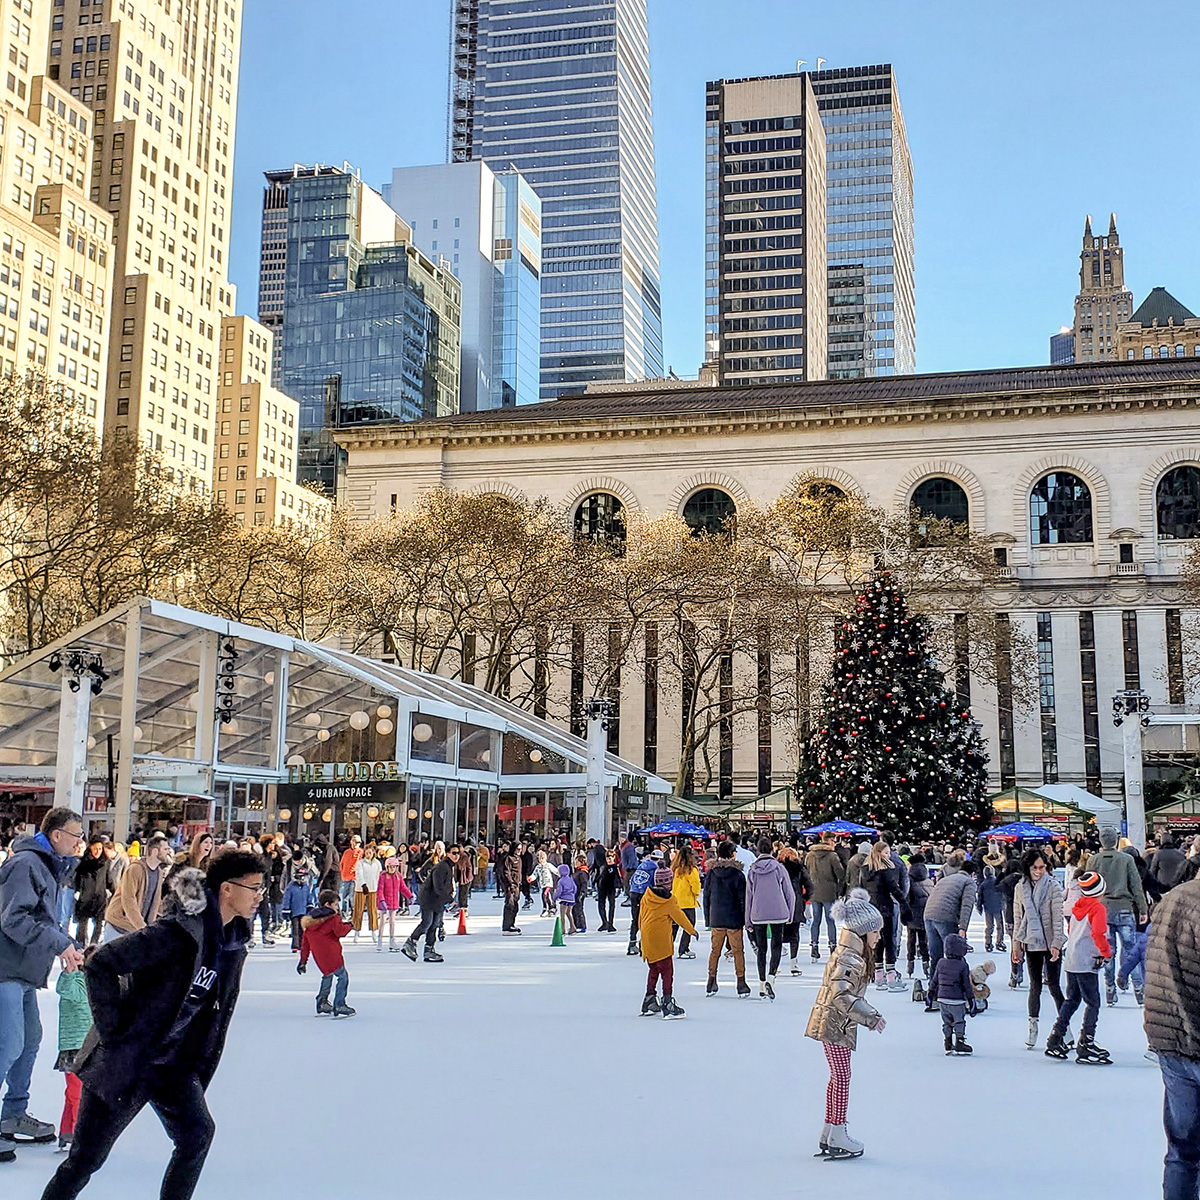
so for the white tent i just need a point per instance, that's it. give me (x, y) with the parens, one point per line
(1105, 811)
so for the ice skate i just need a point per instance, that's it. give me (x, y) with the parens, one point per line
(1032, 1037)
(513, 932)
(925, 968)
(823, 1143)
(670, 1010)
(711, 987)
(265, 942)
(796, 972)
(632, 950)
(431, 955)
(682, 953)
(1001, 946)
(1056, 1047)
(880, 980)
(1139, 993)
(650, 1006)
(324, 1009)
(841, 1144)
(961, 1048)
(1089, 1053)
(26, 1130)
(409, 950)
(393, 949)
(343, 1011)
(769, 987)
(379, 946)
(948, 1043)
(64, 1143)
(816, 957)
(895, 983)
(743, 988)
(911, 965)
(1123, 983)
(1111, 995)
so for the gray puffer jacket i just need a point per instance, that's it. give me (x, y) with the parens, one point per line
(1038, 914)
(30, 939)
(952, 899)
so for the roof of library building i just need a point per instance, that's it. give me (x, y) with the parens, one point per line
(671, 400)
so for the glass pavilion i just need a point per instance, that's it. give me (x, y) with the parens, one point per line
(207, 722)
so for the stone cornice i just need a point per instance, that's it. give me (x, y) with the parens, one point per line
(1055, 402)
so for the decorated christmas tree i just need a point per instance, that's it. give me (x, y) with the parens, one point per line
(894, 749)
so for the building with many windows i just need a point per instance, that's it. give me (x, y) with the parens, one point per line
(254, 475)
(1103, 302)
(765, 285)
(1161, 327)
(161, 87)
(869, 241)
(489, 225)
(561, 91)
(1085, 478)
(370, 325)
(55, 245)
(1062, 346)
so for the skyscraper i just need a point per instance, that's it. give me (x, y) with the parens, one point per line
(1103, 301)
(869, 207)
(489, 226)
(765, 311)
(370, 325)
(161, 83)
(560, 89)
(1062, 346)
(56, 253)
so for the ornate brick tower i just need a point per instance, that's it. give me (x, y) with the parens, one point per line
(1103, 301)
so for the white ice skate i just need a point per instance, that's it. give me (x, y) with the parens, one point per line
(1032, 1039)
(823, 1152)
(841, 1144)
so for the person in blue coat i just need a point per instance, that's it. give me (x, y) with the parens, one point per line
(641, 879)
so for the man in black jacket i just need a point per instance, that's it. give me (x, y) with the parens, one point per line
(725, 915)
(162, 999)
(436, 891)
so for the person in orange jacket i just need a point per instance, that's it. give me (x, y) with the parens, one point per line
(323, 933)
(349, 866)
(659, 910)
(1086, 951)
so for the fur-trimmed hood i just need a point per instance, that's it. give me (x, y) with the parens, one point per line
(184, 893)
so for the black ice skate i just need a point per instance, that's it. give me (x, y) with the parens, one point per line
(1089, 1053)
(650, 1006)
(961, 1048)
(670, 1010)
(324, 1008)
(743, 988)
(1056, 1047)
(711, 988)
(431, 955)
(344, 1011)
(409, 951)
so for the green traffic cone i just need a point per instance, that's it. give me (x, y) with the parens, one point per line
(557, 939)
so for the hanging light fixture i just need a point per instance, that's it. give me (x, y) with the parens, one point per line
(296, 760)
(422, 732)
(384, 726)
(359, 720)
(312, 719)
(138, 733)
(384, 710)
(535, 755)
(322, 735)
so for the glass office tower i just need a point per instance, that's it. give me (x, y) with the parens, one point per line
(370, 324)
(560, 90)
(869, 214)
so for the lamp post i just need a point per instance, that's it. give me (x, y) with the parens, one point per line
(598, 710)
(1130, 712)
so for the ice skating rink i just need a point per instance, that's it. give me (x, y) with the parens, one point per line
(516, 1069)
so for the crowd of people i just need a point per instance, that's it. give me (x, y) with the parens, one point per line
(1084, 921)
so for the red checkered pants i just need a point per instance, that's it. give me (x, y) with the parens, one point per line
(837, 1093)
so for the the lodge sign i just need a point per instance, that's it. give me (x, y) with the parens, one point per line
(345, 772)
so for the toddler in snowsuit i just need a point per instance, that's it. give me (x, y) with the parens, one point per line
(74, 1021)
(323, 933)
(657, 911)
(1085, 953)
(297, 903)
(951, 989)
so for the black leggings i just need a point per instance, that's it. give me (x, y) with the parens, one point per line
(760, 936)
(885, 948)
(606, 902)
(918, 944)
(1040, 960)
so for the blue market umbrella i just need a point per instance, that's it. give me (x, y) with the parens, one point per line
(678, 828)
(1022, 831)
(846, 827)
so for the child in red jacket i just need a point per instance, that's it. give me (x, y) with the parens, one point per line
(323, 933)
(1086, 951)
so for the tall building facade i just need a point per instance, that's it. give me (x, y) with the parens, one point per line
(370, 325)
(161, 86)
(869, 223)
(488, 224)
(1160, 327)
(1062, 346)
(254, 477)
(1104, 301)
(765, 252)
(560, 90)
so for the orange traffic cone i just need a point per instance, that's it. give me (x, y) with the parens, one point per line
(462, 921)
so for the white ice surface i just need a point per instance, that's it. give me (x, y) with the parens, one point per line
(514, 1061)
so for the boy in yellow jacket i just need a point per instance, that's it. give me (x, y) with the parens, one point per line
(659, 909)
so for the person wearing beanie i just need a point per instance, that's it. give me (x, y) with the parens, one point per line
(854, 868)
(1086, 950)
(770, 905)
(297, 903)
(1126, 907)
(840, 1009)
(656, 913)
(392, 895)
(951, 989)
(725, 914)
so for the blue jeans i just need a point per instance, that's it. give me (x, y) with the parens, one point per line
(339, 995)
(936, 932)
(1122, 930)
(830, 928)
(66, 908)
(20, 1038)
(346, 892)
(1181, 1120)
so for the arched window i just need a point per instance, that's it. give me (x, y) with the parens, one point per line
(1178, 502)
(1060, 510)
(710, 510)
(1147, 352)
(1164, 352)
(1179, 350)
(942, 498)
(600, 517)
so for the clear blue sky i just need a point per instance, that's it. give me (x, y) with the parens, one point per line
(1022, 117)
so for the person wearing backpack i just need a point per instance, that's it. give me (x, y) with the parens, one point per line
(641, 880)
